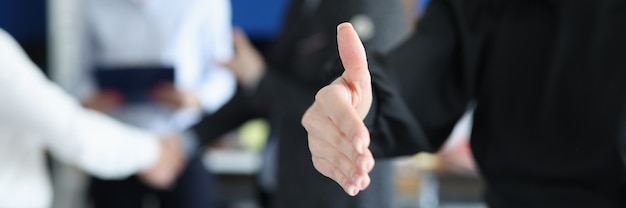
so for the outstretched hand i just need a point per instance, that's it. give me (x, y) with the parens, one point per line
(338, 138)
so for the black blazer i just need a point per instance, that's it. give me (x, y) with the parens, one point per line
(300, 64)
(547, 78)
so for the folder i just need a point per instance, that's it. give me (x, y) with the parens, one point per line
(134, 84)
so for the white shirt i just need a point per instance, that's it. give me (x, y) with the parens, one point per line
(35, 114)
(194, 36)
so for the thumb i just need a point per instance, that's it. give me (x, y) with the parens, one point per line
(353, 57)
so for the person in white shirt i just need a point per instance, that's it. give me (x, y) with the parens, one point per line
(36, 115)
(193, 37)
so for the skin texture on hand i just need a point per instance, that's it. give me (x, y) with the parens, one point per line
(175, 98)
(338, 138)
(248, 64)
(165, 171)
(104, 101)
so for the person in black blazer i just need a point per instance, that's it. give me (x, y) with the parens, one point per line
(547, 78)
(281, 88)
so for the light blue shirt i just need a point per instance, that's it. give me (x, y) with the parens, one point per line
(194, 36)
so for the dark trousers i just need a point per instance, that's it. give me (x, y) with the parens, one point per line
(263, 197)
(195, 188)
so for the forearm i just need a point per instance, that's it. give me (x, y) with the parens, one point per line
(278, 93)
(422, 87)
(104, 147)
(393, 127)
(90, 140)
(227, 118)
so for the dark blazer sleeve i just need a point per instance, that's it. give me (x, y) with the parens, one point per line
(278, 94)
(245, 104)
(421, 88)
(230, 116)
(275, 95)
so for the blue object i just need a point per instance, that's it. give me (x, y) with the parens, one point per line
(261, 19)
(24, 20)
(134, 84)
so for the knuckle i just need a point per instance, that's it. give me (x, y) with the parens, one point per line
(328, 93)
(322, 93)
(316, 163)
(312, 146)
(306, 121)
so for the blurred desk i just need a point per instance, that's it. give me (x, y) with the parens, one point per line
(236, 172)
(422, 182)
(232, 161)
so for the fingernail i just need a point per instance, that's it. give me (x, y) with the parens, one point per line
(353, 191)
(341, 26)
(370, 163)
(364, 183)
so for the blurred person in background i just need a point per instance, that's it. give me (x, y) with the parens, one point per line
(191, 36)
(36, 115)
(281, 87)
(548, 81)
